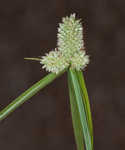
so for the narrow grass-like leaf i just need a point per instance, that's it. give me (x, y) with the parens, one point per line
(85, 101)
(28, 94)
(36, 59)
(81, 109)
(78, 133)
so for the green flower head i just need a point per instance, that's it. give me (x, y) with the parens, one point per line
(54, 62)
(70, 51)
(70, 36)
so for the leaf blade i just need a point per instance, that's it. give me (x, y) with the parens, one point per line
(81, 108)
(86, 101)
(79, 138)
(28, 94)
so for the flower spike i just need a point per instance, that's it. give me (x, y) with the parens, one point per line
(70, 50)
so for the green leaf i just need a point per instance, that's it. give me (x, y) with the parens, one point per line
(79, 138)
(85, 101)
(28, 94)
(81, 109)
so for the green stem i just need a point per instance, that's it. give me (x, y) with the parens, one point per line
(28, 94)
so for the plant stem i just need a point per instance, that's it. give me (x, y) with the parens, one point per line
(28, 94)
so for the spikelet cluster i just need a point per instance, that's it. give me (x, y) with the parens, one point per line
(54, 62)
(70, 48)
(79, 60)
(70, 36)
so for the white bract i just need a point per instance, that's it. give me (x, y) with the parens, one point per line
(70, 50)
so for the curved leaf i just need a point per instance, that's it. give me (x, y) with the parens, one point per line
(28, 94)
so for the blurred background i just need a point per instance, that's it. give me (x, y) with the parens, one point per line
(28, 28)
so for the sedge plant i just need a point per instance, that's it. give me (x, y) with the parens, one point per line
(69, 56)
